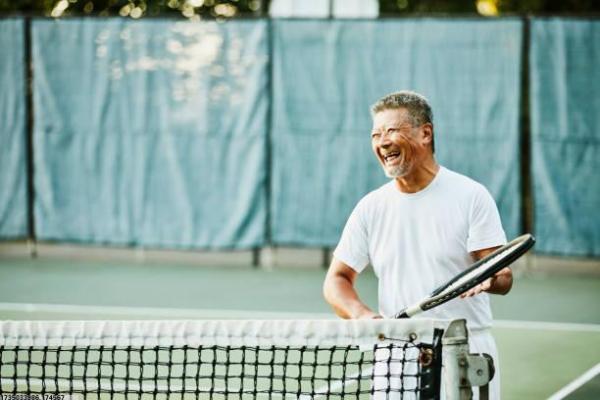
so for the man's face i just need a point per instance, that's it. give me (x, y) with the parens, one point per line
(398, 145)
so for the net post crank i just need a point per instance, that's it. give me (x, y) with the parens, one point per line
(463, 369)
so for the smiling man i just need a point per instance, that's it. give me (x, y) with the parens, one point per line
(419, 230)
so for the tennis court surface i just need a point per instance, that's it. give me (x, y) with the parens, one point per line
(549, 344)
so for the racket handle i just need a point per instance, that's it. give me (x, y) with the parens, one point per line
(409, 312)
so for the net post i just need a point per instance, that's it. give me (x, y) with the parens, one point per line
(463, 370)
(430, 360)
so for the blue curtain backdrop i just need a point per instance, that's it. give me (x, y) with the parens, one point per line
(326, 74)
(565, 129)
(155, 132)
(13, 162)
(151, 133)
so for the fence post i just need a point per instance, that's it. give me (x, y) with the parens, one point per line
(30, 168)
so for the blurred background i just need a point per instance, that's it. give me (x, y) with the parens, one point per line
(199, 158)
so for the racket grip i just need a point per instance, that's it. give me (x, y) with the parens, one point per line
(409, 312)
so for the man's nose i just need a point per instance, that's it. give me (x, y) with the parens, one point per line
(384, 140)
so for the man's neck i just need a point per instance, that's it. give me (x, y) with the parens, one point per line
(419, 178)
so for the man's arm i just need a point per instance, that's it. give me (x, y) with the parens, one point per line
(339, 292)
(500, 283)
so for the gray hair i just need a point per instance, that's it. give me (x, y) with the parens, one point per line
(416, 104)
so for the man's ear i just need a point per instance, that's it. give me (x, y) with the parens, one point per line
(427, 130)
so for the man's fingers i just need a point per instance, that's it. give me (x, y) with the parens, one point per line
(370, 315)
(469, 293)
(485, 285)
(477, 289)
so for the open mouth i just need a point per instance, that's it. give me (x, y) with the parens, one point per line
(391, 157)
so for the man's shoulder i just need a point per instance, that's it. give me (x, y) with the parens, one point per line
(461, 183)
(375, 197)
(377, 194)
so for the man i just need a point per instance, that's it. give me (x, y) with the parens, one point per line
(419, 230)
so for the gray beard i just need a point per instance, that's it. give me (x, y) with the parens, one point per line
(397, 171)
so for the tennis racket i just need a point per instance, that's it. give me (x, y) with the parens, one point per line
(473, 276)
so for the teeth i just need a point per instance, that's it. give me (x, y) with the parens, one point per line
(390, 156)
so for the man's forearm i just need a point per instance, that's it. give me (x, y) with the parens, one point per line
(501, 283)
(341, 295)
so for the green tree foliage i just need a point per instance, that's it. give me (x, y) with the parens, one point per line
(136, 8)
(550, 6)
(236, 8)
(399, 7)
(390, 7)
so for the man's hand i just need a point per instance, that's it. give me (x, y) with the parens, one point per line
(500, 283)
(370, 315)
(482, 287)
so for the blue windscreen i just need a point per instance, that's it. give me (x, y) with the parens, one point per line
(565, 130)
(13, 160)
(326, 74)
(151, 133)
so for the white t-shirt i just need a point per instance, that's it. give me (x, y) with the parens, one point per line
(418, 241)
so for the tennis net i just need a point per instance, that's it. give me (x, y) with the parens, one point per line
(377, 359)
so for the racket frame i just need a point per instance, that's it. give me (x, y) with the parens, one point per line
(441, 294)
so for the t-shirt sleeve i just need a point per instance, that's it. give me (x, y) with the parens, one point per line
(485, 227)
(353, 248)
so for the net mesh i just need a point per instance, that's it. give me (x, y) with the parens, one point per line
(390, 367)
